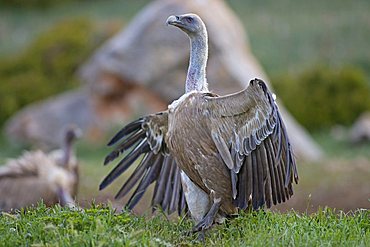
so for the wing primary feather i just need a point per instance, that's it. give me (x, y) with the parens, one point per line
(234, 180)
(260, 175)
(128, 129)
(296, 178)
(125, 163)
(278, 159)
(241, 201)
(239, 159)
(128, 143)
(135, 176)
(255, 195)
(281, 182)
(275, 170)
(290, 189)
(182, 203)
(266, 175)
(282, 134)
(169, 187)
(176, 191)
(271, 170)
(160, 186)
(288, 169)
(279, 176)
(111, 156)
(278, 136)
(285, 164)
(249, 170)
(287, 158)
(147, 179)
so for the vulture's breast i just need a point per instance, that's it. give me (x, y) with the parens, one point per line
(188, 130)
(190, 142)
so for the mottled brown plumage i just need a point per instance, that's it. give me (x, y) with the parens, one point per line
(37, 176)
(231, 151)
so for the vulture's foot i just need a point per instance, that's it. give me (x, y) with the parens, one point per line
(208, 220)
(202, 236)
(65, 198)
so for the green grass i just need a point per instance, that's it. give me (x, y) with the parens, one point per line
(99, 226)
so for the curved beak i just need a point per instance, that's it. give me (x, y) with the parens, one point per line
(173, 20)
(73, 131)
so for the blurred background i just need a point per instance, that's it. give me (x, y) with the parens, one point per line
(100, 64)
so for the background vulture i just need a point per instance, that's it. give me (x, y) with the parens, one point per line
(220, 153)
(35, 176)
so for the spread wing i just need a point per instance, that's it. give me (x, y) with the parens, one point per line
(144, 142)
(251, 139)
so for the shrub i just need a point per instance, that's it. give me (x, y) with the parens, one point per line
(47, 66)
(321, 97)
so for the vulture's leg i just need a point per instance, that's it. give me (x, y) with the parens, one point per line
(208, 220)
(65, 199)
(197, 200)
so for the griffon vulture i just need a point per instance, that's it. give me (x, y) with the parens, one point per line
(212, 155)
(35, 176)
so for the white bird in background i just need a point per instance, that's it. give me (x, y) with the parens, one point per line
(38, 176)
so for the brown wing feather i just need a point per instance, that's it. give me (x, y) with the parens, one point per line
(247, 127)
(25, 166)
(144, 140)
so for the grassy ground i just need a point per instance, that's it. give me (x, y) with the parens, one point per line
(100, 227)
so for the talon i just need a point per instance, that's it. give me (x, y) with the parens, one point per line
(202, 236)
(203, 225)
(207, 221)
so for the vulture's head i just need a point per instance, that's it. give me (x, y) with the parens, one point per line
(72, 133)
(189, 23)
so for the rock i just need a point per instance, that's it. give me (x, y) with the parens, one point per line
(143, 68)
(150, 54)
(360, 131)
(40, 124)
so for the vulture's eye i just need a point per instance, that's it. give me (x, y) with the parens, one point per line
(189, 19)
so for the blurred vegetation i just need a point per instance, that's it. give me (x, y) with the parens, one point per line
(285, 35)
(33, 3)
(321, 97)
(47, 66)
(290, 35)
